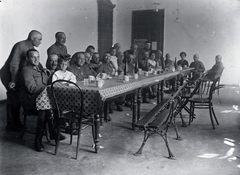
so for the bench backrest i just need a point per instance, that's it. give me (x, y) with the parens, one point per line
(162, 112)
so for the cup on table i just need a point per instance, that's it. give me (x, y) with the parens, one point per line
(135, 76)
(154, 72)
(120, 77)
(140, 71)
(99, 83)
(85, 81)
(146, 73)
(91, 78)
(126, 78)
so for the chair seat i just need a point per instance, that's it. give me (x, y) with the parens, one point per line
(199, 100)
(203, 101)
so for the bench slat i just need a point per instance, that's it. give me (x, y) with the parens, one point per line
(159, 119)
(150, 116)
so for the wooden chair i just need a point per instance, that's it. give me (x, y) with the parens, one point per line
(202, 102)
(71, 112)
(192, 88)
(207, 84)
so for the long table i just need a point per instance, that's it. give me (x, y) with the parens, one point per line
(95, 98)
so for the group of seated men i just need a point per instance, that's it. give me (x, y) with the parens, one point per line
(25, 78)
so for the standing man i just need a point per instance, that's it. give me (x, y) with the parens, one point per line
(59, 47)
(10, 78)
(147, 47)
(144, 52)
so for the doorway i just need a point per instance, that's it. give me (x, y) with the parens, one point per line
(148, 25)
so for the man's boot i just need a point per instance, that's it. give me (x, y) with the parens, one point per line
(10, 124)
(51, 126)
(39, 134)
(16, 118)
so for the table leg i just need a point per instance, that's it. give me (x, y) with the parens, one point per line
(161, 90)
(101, 113)
(158, 92)
(139, 97)
(96, 137)
(134, 110)
(106, 112)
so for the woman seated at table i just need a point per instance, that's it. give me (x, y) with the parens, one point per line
(151, 61)
(106, 67)
(63, 73)
(33, 81)
(78, 67)
(184, 64)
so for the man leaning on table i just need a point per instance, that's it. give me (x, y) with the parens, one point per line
(33, 80)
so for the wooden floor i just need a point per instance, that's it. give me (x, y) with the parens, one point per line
(202, 151)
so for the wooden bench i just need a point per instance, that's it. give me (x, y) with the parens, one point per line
(158, 120)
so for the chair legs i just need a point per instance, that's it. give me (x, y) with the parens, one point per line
(78, 141)
(46, 129)
(211, 113)
(214, 114)
(191, 113)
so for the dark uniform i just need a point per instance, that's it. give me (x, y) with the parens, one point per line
(10, 73)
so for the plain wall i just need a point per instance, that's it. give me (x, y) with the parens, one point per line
(205, 27)
(77, 18)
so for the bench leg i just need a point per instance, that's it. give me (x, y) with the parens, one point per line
(176, 129)
(147, 134)
(179, 111)
(163, 133)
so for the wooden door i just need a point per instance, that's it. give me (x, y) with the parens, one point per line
(148, 25)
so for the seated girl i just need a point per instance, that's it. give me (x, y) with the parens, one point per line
(151, 60)
(62, 73)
